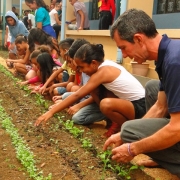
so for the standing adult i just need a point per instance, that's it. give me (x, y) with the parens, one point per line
(25, 19)
(81, 16)
(135, 34)
(51, 7)
(31, 20)
(55, 22)
(14, 11)
(42, 18)
(107, 11)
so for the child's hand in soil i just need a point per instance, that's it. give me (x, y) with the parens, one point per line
(43, 118)
(74, 109)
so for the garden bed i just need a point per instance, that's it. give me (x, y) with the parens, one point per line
(61, 150)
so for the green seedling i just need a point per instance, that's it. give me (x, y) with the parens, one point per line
(124, 171)
(86, 143)
(41, 101)
(69, 125)
(105, 158)
(23, 152)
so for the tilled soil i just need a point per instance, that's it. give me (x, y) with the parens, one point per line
(56, 150)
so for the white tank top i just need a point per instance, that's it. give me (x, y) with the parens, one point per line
(125, 86)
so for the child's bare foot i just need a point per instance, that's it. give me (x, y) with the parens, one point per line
(147, 163)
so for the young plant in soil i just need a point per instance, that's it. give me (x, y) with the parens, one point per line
(77, 133)
(23, 152)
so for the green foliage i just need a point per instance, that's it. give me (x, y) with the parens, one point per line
(76, 132)
(41, 101)
(25, 155)
(86, 143)
(105, 158)
(120, 169)
(23, 152)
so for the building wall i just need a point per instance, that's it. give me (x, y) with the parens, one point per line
(103, 36)
(165, 21)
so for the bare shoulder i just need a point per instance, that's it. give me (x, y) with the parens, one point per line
(109, 73)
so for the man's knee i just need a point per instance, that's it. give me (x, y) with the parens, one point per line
(152, 87)
(128, 132)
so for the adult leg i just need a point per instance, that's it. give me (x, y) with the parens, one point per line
(104, 20)
(100, 22)
(88, 115)
(57, 29)
(135, 130)
(151, 89)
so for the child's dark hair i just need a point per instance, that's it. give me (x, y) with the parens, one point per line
(89, 52)
(41, 49)
(40, 3)
(35, 54)
(38, 35)
(66, 43)
(75, 46)
(44, 48)
(21, 38)
(46, 64)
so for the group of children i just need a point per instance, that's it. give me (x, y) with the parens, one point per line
(93, 89)
(73, 73)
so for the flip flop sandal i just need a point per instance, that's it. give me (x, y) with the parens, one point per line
(10, 65)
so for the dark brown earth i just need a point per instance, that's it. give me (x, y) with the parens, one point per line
(56, 150)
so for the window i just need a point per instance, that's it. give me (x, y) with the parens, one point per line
(95, 10)
(168, 6)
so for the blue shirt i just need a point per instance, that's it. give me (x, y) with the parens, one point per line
(42, 15)
(17, 28)
(168, 69)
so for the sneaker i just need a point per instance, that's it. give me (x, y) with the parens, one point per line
(112, 130)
